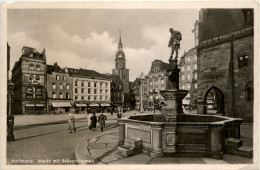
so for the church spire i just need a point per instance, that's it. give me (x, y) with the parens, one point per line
(120, 45)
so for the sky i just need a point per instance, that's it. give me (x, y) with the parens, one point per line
(88, 38)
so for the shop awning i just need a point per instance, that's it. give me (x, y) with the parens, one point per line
(29, 105)
(61, 104)
(105, 104)
(81, 105)
(39, 105)
(94, 105)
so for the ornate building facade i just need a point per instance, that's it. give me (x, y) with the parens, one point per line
(120, 67)
(155, 81)
(29, 78)
(225, 61)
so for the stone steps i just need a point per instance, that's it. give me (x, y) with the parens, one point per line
(132, 146)
(235, 147)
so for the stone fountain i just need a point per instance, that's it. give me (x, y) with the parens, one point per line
(173, 133)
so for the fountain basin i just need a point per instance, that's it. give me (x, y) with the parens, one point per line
(190, 135)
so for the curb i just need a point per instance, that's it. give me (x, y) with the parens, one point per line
(82, 152)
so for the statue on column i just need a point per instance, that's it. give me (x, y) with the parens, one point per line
(174, 42)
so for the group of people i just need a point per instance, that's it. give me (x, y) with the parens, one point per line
(92, 121)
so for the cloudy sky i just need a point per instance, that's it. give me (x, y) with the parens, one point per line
(88, 38)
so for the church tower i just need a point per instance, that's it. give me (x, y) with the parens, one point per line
(120, 67)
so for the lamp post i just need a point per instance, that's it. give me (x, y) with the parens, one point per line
(10, 117)
(141, 94)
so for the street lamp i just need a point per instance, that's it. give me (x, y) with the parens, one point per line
(141, 93)
(10, 117)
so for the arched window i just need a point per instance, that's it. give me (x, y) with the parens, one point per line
(39, 93)
(29, 93)
(38, 79)
(38, 68)
(31, 67)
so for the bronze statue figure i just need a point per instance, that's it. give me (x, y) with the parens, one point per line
(174, 42)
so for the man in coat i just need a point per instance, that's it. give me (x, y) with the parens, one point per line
(93, 121)
(102, 121)
(72, 123)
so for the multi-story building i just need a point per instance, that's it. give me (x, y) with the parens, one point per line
(155, 81)
(188, 75)
(29, 78)
(59, 89)
(90, 89)
(120, 67)
(136, 93)
(116, 90)
(225, 62)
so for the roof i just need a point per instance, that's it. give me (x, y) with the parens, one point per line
(54, 68)
(120, 53)
(33, 53)
(159, 64)
(90, 74)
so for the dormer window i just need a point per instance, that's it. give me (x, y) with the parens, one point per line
(243, 60)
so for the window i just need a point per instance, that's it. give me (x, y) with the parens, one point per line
(38, 68)
(95, 91)
(82, 90)
(188, 68)
(89, 97)
(68, 86)
(243, 60)
(82, 84)
(64, 78)
(95, 98)
(57, 77)
(106, 91)
(76, 97)
(82, 98)
(195, 75)
(95, 84)
(106, 98)
(101, 84)
(195, 67)
(101, 91)
(106, 85)
(188, 76)
(29, 93)
(53, 95)
(53, 86)
(89, 91)
(156, 82)
(76, 83)
(30, 79)
(67, 95)
(38, 79)
(61, 86)
(162, 81)
(61, 96)
(89, 84)
(31, 67)
(76, 90)
(38, 93)
(196, 85)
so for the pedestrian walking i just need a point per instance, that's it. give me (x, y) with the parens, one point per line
(93, 121)
(89, 120)
(111, 111)
(72, 123)
(102, 121)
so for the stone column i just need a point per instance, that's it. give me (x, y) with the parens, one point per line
(216, 141)
(157, 151)
(121, 134)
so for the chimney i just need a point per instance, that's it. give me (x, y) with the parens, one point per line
(55, 64)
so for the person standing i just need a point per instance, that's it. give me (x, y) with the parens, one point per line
(72, 123)
(93, 121)
(102, 121)
(89, 120)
